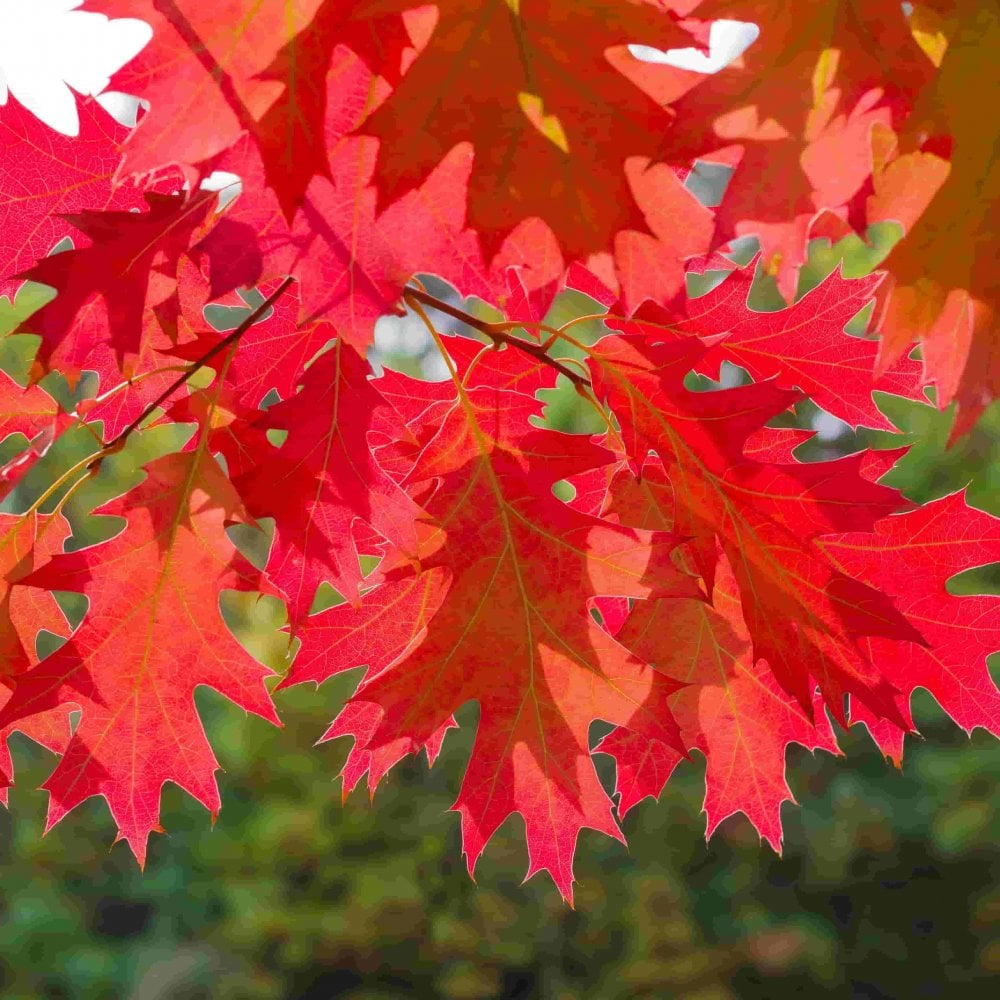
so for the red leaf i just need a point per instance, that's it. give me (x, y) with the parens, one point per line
(520, 567)
(46, 176)
(804, 345)
(912, 556)
(102, 289)
(800, 103)
(134, 664)
(200, 75)
(944, 284)
(26, 544)
(291, 132)
(803, 615)
(531, 127)
(272, 353)
(24, 411)
(731, 710)
(321, 479)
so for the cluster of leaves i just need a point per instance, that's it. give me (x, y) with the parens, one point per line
(681, 576)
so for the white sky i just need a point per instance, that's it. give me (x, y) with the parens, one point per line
(48, 47)
(727, 41)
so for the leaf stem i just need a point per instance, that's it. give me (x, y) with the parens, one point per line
(117, 442)
(135, 380)
(497, 332)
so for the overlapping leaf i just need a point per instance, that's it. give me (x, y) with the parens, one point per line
(803, 346)
(27, 542)
(103, 288)
(532, 125)
(322, 479)
(803, 615)
(513, 631)
(143, 649)
(702, 591)
(799, 104)
(45, 176)
(732, 710)
(912, 556)
(944, 285)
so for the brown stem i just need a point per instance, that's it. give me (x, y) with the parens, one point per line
(231, 338)
(497, 333)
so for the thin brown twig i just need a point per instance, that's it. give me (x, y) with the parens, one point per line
(231, 338)
(497, 332)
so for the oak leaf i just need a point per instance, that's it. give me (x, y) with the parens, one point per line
(732, 710)
(142, 650)
(45, 176)
(943, 286)
(803, 346)
(800, 104)
(514, 636)
(532, 125)
(912, 556)
(803, 614)
(102, 288)
(321, 479)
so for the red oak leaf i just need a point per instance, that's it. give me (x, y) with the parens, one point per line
(800, 103)
(45, 176)
(49, 729)
(504, 368)
(803, 346)
(24, 411)
(944, 286)
(353, 266)
(134, 663)
(290, 133)
(249, 68)
(777, 444)
(532, 127)
(802, 613)
(102, 289)
(25, 545)
(424, 405)
(731, 710)
(651, 265)
(27, 542)
(323, 478)
(390, 622)
(514, 632)
(912, 556)
(124, 398)
(227, 427)
(200, 75)
(272, 354)
(172, 319)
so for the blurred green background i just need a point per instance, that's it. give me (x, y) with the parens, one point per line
(889, 885)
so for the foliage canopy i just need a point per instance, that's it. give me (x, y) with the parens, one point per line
(679, 575)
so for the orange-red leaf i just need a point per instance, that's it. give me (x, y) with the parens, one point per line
(912, 556)
(732, 710)
(513, 631)
(142, 650)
